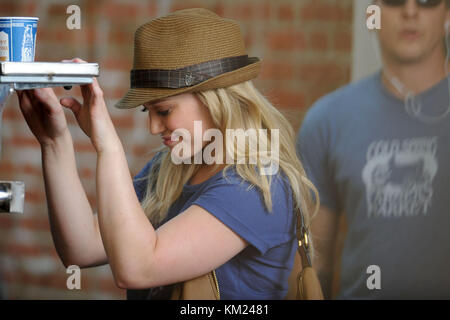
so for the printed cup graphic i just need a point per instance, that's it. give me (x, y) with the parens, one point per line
(18, 38)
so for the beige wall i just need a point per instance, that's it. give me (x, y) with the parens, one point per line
(365, 58)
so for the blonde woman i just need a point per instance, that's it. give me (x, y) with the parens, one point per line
(178, 221)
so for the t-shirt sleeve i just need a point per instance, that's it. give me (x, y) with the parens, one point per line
(313, 149)
(244, 212)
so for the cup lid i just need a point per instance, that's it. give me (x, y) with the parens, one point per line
(26, 18)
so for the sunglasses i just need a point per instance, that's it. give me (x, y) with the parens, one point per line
(420, 3)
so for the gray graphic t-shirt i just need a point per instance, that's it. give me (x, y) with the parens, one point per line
(390, 174)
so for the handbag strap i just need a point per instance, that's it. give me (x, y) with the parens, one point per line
(303, 240)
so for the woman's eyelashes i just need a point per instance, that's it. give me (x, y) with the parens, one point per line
(158, 111)
(163, 112)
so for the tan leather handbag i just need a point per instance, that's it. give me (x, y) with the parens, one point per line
(303, 281)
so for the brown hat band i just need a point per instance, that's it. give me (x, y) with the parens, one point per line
(187, 76)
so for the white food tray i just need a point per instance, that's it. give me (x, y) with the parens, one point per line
(29, 75)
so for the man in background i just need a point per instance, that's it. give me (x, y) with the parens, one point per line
(378, 152)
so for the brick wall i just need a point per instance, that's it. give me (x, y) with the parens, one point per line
(305, 46)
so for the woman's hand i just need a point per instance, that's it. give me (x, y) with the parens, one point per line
(43, 114)
(93, 116)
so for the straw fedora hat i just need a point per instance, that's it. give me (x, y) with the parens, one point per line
(187, 51)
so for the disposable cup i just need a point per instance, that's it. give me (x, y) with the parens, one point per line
(18, 38)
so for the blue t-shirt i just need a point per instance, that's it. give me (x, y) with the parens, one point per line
(389, 173)
(262, 269)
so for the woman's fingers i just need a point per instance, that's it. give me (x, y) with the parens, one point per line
(78, 60)
(95, 89)
(92, 93)
(32, 117)
(24, 102)
(89, 91)
(33, 100)
(48, 99)
(29, 106)
(71, 103)
(85, 91)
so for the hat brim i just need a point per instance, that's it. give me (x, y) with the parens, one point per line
(138, 96)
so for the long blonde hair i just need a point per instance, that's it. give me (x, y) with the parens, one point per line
(239, 106)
